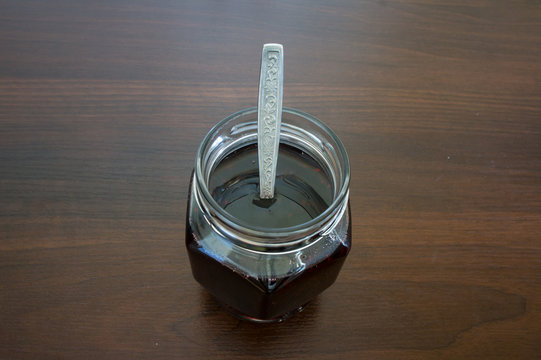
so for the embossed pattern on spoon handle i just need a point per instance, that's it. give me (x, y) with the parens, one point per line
(269, 116)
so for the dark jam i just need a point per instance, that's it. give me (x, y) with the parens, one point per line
(303, 190)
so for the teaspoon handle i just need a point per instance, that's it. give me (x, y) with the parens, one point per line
(269, 116)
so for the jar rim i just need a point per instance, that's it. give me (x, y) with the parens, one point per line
(257, 232)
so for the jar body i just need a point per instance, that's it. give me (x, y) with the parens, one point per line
(264, 282)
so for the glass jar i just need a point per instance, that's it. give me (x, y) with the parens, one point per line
(264, 260)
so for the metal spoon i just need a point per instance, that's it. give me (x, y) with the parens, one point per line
(269, 116)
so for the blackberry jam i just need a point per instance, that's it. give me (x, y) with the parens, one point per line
(302, 189)
(264, 259)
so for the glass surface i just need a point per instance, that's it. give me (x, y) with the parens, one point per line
(265, 259)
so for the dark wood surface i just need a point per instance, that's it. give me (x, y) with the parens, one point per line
(102, 107)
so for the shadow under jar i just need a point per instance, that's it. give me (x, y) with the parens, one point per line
(265, 259)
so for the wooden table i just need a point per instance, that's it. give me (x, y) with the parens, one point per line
(103, 105)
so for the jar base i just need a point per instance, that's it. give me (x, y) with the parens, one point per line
(255, 320)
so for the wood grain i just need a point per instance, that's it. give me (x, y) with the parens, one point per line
(103, 105)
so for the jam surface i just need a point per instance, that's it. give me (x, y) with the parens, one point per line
(303, 190)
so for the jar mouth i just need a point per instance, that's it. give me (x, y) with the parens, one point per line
(331, 147)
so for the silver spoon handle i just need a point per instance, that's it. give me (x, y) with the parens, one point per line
(269, 116)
